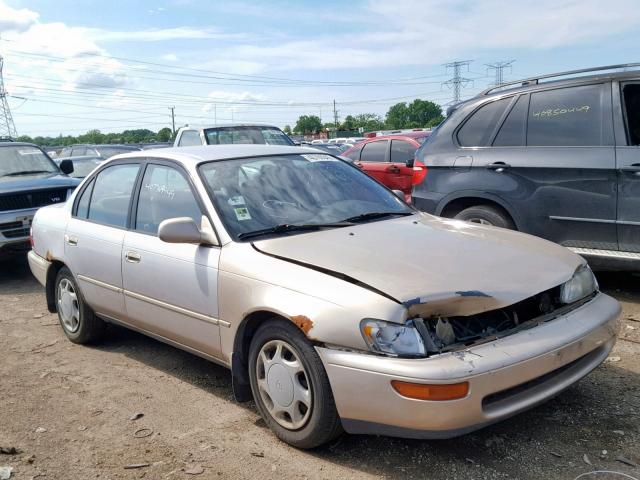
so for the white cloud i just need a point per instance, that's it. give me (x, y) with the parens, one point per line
(17, 20)
(162, 34)
(222, 98)
(170, 57)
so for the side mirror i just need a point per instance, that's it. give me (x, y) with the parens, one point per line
(66, 166)
(399, 194)
(184, 230)
(410, 162)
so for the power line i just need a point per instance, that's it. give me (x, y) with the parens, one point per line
(499, 68)
(457, 81)
(7, 127)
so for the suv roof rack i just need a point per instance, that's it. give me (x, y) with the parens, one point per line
(535, 80)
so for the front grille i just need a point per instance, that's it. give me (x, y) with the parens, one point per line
(14, 229)
(35, 199)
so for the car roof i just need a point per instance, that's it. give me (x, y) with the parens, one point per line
(191, 156)
(19, 144)
(543, 81)
(227, 125)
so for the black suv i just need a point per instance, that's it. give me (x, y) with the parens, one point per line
(553, 156)
(29, 179)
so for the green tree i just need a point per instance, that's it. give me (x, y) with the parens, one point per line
(349, 123)
(417, 114)
(398, 116)
(164, 135)
(92, 136)
(308, 124)
(369, 122)
(287, 129)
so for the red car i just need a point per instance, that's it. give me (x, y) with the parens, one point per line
(390, 160)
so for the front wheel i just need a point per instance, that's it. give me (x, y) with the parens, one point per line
(486, 215)
(290, 386)
(78, 321)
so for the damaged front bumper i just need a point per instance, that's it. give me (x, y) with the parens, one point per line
(505, 376)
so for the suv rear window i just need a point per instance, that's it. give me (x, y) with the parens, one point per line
(477, 130)
(566, 117)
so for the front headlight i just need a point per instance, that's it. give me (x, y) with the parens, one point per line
(582, 284)
(392, 338)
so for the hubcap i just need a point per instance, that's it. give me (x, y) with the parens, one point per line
(283, 384)
(481, 221)
(68, 308)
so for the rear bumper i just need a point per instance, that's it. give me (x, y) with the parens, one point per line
(506, 376)
(39, 266)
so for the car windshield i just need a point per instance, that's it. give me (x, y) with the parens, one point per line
(23, 159)
(250, 134)
(108, 152)
(310, 190)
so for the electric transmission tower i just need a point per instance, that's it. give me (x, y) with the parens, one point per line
(457, 82)
(7, 127)
(499, 68)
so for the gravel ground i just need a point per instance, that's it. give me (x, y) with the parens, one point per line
(69, 409)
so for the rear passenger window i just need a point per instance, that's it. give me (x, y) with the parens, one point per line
(354, 154)
(374, 151)
(566, 117)
(82, 210)
(402, 151)
(189, 138)
(111, 195)
(78, 151)
(477, 130)
(511, 133)
(165, 193)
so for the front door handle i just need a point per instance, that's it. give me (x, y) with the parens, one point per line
(633, 168)
(498, 166)
(393, 169)
(132, 257)
(71, 240)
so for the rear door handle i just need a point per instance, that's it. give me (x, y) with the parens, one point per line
(498, 166)
(132, 257)
(71, 240)
(393, 169)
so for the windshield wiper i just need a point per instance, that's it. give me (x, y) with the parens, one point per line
(372, 215)
(25, 172)
(292, 227)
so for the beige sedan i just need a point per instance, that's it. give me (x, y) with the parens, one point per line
(335, 305)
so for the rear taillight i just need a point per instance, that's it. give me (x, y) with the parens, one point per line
(31, 237)
(419, 172)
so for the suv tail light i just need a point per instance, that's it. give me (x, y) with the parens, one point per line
(419, 172)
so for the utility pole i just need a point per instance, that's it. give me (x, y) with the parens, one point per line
(7, 127)
(457, 81)
(335, 116)
(499, 68)
(173, 121)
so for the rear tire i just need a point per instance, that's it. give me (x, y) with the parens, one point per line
(486, 215)
(298, 407)
(78, 321)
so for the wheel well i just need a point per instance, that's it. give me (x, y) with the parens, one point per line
(50, 288)
(240, 355)
(454, 207)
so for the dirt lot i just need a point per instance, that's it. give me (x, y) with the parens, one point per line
(68, 409)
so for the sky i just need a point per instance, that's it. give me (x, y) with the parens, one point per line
(71, 66)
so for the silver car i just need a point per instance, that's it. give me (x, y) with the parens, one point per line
(335, 305)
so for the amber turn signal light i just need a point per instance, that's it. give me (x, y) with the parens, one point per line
(421, 391)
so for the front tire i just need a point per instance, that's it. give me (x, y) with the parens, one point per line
(486, 215)
(290, 386)
(78, 321)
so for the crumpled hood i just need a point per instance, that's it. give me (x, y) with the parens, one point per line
(434, 266)
(32, 182)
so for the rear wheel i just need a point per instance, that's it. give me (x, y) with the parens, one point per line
(290, 386)
(486, 215)
(78, 321)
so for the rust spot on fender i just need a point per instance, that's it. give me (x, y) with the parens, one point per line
(48, 256)
(303, 322)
